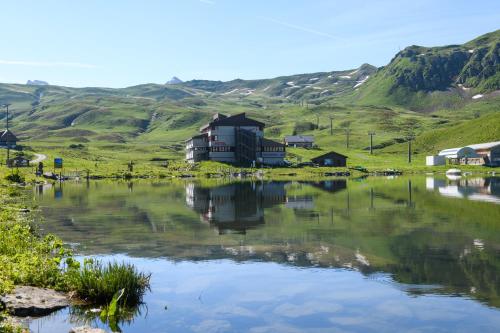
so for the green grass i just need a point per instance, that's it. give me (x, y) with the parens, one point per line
(97, 283)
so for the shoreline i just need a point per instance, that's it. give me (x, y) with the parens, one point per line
(39, 273)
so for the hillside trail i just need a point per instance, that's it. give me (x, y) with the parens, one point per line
(38, 158)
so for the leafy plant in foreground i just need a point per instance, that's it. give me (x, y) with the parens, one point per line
(98, 283)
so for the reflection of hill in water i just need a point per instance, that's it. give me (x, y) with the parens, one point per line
(377, 225)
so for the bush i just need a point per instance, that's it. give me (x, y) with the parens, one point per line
(76, 146)
(301, 127)
(97, 283)
(27, 259)
(15, 178)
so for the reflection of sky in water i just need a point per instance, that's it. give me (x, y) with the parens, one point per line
(223, 296)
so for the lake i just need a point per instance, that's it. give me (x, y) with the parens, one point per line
(413, 254)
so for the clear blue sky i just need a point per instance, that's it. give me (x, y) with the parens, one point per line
(118, 43)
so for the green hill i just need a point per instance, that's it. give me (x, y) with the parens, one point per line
(427, 78)
(447, 95)
(482, 129)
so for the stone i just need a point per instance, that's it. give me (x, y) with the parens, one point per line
(27, 301)
(86, 329)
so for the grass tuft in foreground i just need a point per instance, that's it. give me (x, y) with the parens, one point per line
(97, 282)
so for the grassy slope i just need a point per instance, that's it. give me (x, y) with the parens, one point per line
(152, 121)
(483, 129)
(426, 79)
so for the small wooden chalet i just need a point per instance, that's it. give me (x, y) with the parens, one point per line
(19, 161)
(331, 159)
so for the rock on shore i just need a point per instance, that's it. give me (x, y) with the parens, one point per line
(34, 302)
(86, 329)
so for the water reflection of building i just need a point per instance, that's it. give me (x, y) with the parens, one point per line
(235, 207)
(477, 189)
(332, 186)
(299, 202)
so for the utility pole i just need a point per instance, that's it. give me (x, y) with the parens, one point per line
(371, 134)
(347, 132)
(331, 125)
(6, 106)
(409, 148)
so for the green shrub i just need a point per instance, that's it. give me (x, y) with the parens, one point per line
(25, 258)
(76, 146)
(15, 178)
(7, 326)
(304, 126)
(97, 283)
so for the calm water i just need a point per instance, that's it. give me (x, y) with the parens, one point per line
(374, 255)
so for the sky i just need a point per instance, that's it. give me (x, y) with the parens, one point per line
(119, 43)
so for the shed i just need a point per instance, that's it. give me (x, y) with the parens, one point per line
(435, 160)
(19, 161)
(331, 159)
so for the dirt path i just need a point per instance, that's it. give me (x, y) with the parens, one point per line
(39, 158)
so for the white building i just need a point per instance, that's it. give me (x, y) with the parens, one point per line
(435, 160)
(490, 151)
(461, 152)
(483, 153)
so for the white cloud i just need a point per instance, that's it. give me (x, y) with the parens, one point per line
(209, 2)
(298, 27)
(46, 64)
(212, 326)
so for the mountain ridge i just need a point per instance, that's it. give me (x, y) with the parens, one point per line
(363, 99)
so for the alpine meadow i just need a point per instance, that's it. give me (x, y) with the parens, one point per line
(435, 93)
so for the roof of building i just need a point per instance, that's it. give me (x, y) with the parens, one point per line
(20, 158)
(320, 157)
(199, 136)
(7, 136)
(236, 120)
(299, 138)
(457, 152)
(486, 145)
(271, 143)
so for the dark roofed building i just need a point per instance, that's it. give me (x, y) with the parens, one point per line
(273, 152)
(234, 139)
(19, 161)
(304, 141)
(332, 159)
(238, 120)
(8, 139)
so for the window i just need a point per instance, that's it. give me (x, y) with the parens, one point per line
(221, 149)
(273, 149)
